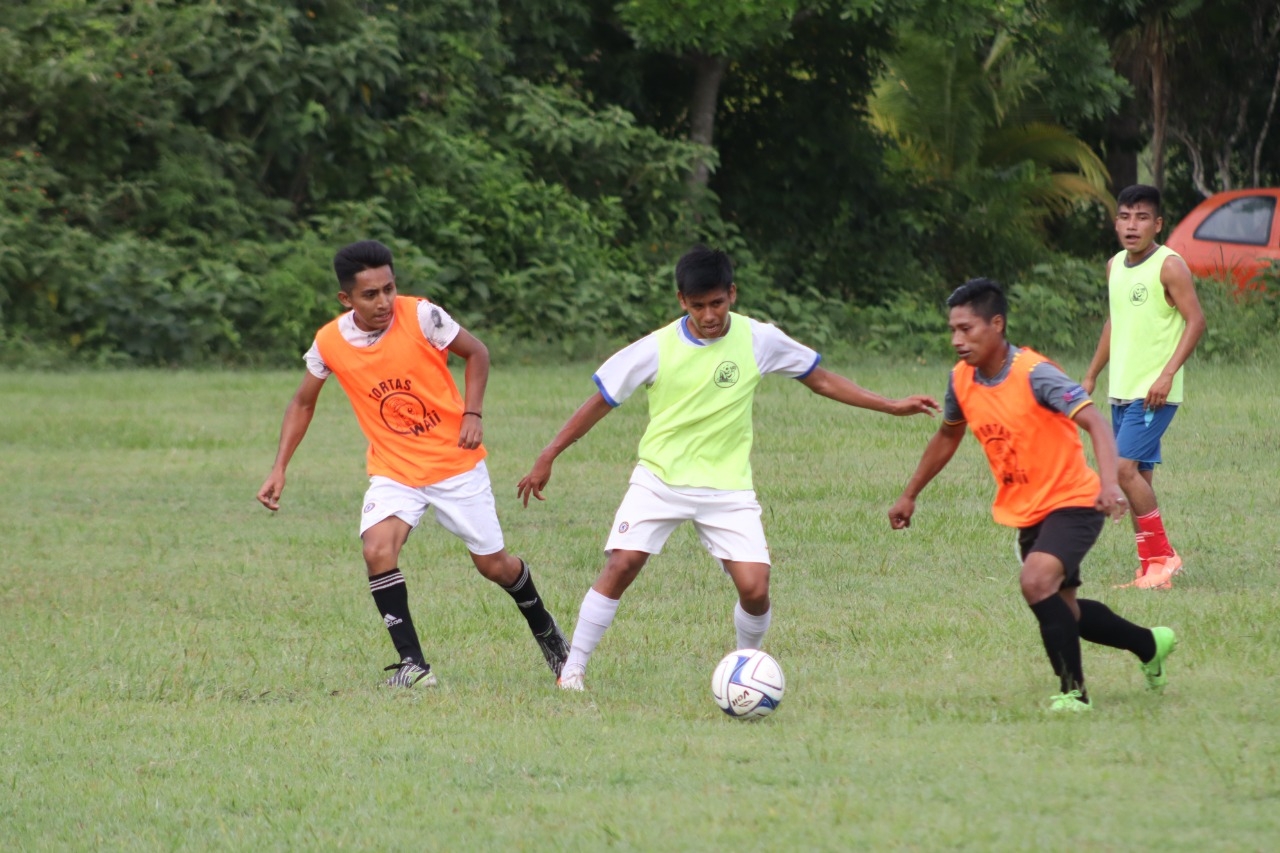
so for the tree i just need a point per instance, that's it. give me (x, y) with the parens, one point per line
(180, 170)
(1224, 83)
(971, 130)
(708, 35)
(952, 110)
(1144, 34)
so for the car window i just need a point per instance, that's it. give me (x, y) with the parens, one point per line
(1241, 220)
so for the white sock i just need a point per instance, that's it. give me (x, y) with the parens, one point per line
(751, 629)
(594, 618)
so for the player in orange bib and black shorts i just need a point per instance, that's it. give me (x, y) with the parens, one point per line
(1025, 412)
(390, 355)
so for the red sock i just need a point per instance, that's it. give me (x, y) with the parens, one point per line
(1144, 548)
(1157, 541)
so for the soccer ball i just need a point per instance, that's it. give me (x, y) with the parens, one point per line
(748, 684)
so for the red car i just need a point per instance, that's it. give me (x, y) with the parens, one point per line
(1232, 234)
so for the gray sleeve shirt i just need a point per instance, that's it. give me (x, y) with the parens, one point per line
(1052, 389)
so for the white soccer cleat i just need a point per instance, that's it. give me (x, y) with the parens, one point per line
(572, 680)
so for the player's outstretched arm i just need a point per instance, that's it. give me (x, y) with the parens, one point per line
(476, 377)
(842, 390)
(297, 417)
(579, 424)
(937, 453)
(1110, 499)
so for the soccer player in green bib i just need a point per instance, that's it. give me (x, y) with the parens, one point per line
(695, 457)
(1154, 323)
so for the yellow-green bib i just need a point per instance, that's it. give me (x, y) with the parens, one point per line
(700, 431)
(1145, 328)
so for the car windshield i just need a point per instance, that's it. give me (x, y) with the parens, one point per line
(1242, 220)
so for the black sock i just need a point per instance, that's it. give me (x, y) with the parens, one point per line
(525, 594)
(1098, 624)
(392, 599)
(1061, 636)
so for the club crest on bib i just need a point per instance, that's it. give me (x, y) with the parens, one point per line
(1005, 460)
(405, 414)
(726, 375)
(1138, 295)
(997, 442)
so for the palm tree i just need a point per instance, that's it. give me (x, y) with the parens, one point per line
(957, 114)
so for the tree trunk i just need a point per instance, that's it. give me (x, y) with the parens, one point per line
(1159, 101)
(709, 71)
(1231, 144)
(1224, 168)
(1124, 130)
(1124, 140)
(1266, 126)
(1192, 149)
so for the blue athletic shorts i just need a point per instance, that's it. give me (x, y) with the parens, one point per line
(1139, 430)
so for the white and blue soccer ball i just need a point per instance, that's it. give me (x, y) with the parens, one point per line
(748, 684)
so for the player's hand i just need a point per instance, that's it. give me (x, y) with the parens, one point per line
(472, 432)
(269, 494)
(1111, 501)
(1088, 384)
(916, 404)
(535, 481)
(1158, 394)
(900, 513)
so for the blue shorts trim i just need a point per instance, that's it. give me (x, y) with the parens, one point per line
(1139, 430)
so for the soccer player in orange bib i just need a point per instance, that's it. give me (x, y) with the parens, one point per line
(390, 355)
(1025, 412)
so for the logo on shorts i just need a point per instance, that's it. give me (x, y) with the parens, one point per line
(1138, 295)
(404, 413)
(726, 374)
(368, 508)
(624, 527)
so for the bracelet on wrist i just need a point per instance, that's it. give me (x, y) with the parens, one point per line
(477, 414)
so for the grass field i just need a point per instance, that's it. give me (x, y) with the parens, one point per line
(181, 669)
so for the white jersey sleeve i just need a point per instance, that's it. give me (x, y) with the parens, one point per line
(439, 328)
(315, 364)
(628, 369)
(776, 352)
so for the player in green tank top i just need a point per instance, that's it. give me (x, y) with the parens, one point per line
(702, 371)
(1153, 325)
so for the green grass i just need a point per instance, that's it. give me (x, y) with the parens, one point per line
(181, 669)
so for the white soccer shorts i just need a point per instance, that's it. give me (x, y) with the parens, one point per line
(464, 506)
(728, 523)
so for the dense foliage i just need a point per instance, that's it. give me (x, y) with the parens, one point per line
(175, 175)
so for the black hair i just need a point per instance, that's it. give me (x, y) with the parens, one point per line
(702, 270)
(984, 296)
(354, 259)
(1139, 194)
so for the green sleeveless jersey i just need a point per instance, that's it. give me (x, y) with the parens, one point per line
(700, 429)
(1145, 328)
